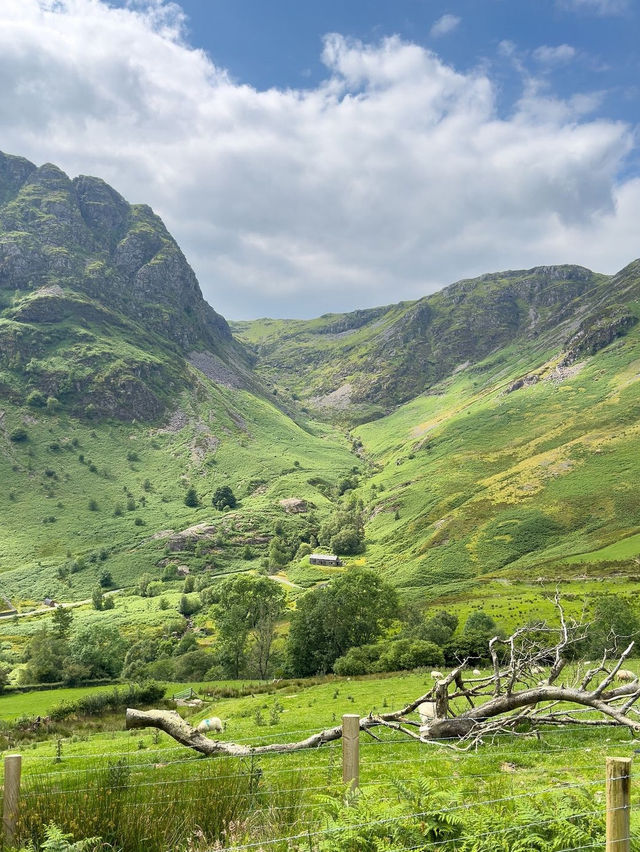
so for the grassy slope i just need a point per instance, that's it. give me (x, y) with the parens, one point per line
(47, 480)
(494, 489)
(506, 767)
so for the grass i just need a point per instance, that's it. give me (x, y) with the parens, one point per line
(104, 779)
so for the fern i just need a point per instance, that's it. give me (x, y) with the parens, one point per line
(57, 841)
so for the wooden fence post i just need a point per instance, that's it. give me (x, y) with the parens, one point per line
(11, 796)
(618, 804)
(351, 749)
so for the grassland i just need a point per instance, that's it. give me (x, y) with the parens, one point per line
(280, 795)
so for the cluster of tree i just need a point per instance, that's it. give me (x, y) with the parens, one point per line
(246, 610)
(343, 532)
(441, 629)
(223, 498)
(60, 653)
(396, 655)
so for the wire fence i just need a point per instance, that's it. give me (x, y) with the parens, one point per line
(312, 801)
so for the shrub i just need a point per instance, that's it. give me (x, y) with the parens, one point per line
(223, 498)
(36, 399)
(189, 605)
(18, 435)
(93, 505)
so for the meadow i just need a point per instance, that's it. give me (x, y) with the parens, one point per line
(140, 790)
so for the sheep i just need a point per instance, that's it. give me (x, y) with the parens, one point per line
(477, 672)
(625, 674)
(436, 675)
(536, 670)
(211, 724)
(426, 711)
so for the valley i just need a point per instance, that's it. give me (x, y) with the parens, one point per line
(488, 432)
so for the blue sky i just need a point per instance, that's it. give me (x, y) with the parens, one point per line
(279, 43)
(315, 157)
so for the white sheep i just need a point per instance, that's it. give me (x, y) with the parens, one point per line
(625, 674)
(426, 711)
(210, 724)
(477, 672)
(436, 675)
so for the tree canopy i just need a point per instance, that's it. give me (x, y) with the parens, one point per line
(352, 610)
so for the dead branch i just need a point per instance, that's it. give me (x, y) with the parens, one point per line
(512, 695)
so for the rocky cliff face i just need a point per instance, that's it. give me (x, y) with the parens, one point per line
(98, 305)
(83, 236)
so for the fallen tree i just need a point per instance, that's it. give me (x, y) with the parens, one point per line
(468, 710)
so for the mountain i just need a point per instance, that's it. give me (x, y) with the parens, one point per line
(361, 365)
(121, 388)
(489, 431)
(511, 466)
(98, 305)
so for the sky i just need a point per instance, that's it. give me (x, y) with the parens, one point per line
(326, 156)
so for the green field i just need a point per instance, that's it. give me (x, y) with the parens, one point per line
(560, 771)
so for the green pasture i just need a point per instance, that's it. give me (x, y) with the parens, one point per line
(393, 768)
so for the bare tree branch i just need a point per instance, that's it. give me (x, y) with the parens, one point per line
(512, 695)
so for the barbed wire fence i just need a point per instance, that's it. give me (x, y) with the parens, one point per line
(236, 786)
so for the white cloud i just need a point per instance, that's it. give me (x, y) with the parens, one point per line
(558, 55)
(392, 178)
(598, 7)
(444, 25)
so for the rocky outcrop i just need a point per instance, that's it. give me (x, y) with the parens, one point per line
(596, 333)
(83, 235)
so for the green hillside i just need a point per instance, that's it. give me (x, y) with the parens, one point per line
(515, 471)
(488, 432)
(121, 388)
(361, 365)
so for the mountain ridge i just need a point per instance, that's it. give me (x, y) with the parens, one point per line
(364, 363)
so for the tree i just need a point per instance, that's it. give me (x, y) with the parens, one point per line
(62, 619)
(4, 676)
(106, 579)
(352, 610)
(100, 649)
(189, 605)
(223, 498)
(344, 531)
(143, 583)
(97, 598)
(191, 498)
(439, 628)
(466, 709)
(614, 624)
(44, 656)
(246, 615)
(279, 553)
